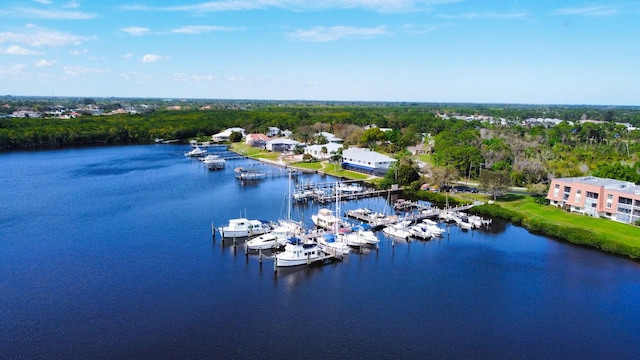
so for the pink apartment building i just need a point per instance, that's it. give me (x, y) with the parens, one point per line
(612, 199)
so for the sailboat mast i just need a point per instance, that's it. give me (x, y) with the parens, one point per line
(289, 199)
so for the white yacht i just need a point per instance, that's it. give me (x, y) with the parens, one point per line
(361, 235)
(433, 227)
(244, 228)
(298, 253)
(332, 243)
(325, 219)
(463, 222)
(196, 152)
(397, 230)
(420, 231)
(276, 238)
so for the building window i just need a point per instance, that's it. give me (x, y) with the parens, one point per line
(555, 191)
(567, 189)
(592, 195)
(609, 201)
(624, 200)
(624, 210)
(578, 195)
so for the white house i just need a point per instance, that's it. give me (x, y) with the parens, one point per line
(316, 150)
(366, 160)
(224, 136)
(282, 145)
(273, 131)
(329, 136)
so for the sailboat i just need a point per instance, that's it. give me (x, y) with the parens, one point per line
(336, 241)
(279, 236)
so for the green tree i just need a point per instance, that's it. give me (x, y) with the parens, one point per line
(495, 182)
(235, 137)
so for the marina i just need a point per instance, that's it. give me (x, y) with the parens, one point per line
(135, 273)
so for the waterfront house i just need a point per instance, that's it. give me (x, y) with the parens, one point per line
(273, 131)
(366, 160)
(316, 150)
(599, 197)
(224, 135)
(257, 140)
(331, 138)
(282, 145)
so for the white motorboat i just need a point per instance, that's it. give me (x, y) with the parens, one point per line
(279, 236)
(333, 244)
(196, 152)
(447, 216)
(463, 222)
(361, 235)
(433, 227)
(276, 238)
(349, 188)
(420, 231)
(397, 230)
(298, 253)
(244, 228)
(325, 219)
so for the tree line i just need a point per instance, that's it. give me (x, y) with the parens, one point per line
(526, 154)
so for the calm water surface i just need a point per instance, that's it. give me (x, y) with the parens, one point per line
(107, 253)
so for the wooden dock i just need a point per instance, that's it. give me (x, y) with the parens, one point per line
(331, 191)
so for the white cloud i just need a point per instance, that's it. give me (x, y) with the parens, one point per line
(72, 5)
(325, 34)
(299, 5)
(132, 75)
(592, 10)
(17, 50)
(127, 56)
(81, 70)
(44, 2)
(200, 29)
(38, 37)
(78, 52)
(236, 78)
(136, 30)
(419, 29)
(473, 16)
(43, 63)
(12, 69)
(49, 14)
(149, 58)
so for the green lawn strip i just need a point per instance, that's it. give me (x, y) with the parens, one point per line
(307, 165)
(274, 156)
(336, 170)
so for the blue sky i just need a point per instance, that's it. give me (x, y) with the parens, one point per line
(536, 52)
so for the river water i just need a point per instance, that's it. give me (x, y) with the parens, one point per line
(107, 253)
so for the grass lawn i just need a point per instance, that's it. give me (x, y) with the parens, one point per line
(308, 165)
(247, 150)
(336, 170)
(611, 230)
(427, 158)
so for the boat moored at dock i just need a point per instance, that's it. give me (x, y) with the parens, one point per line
(298, 253)
(243, 227)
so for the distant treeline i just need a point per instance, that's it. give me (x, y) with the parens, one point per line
(529, 154)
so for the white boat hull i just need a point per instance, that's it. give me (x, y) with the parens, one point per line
(295, 255)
